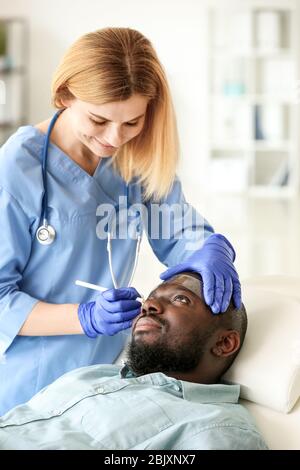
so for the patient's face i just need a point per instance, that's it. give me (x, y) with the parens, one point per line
(172, 329)
(174, 308)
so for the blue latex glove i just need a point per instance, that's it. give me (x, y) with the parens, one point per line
(214, 262)
(112, 311)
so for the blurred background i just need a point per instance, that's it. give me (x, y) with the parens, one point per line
(233, 68)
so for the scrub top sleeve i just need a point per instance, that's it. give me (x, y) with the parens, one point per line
(174, 228)
(15, 248)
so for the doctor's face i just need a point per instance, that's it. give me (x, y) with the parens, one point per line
(104, 128)
(174, 328)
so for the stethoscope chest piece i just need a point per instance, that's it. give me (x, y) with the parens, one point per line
(45, 234)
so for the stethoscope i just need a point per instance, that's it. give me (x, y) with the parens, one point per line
(46, 233)
(139, 235)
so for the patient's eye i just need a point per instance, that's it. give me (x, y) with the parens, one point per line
(182, 298)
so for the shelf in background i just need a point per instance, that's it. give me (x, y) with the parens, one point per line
(271, 191)
(253, 146)
(252, 53)
(254, 90)
(11, 71)
(11, 125)
(13, 75)
(252, 99)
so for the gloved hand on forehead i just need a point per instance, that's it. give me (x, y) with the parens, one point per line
(214, 262)
(111, 312)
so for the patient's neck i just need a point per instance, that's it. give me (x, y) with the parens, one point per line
(198, 375)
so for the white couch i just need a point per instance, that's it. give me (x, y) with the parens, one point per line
(280, 429)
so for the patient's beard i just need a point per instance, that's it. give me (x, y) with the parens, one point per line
(144, 358)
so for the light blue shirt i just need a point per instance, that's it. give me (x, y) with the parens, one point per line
(101, 407)
(30, 272)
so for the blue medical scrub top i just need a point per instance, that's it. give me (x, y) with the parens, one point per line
(31, 272)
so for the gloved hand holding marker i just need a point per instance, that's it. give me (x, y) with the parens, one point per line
(111, 312)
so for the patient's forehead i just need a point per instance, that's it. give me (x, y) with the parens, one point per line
(189, 281)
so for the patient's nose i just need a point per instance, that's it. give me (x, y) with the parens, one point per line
(152, 306)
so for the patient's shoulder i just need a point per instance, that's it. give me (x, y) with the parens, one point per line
(228, 437)
(235, 429)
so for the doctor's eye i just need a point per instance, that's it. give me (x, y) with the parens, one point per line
(182, 299)
(131, 124)
(97, 122)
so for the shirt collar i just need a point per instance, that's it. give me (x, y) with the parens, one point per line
(210, 393)
(201, 393)
(126, 372)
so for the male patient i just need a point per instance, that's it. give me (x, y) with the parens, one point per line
(167, 396)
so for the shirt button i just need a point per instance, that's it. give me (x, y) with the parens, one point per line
(99, 389)
(177, 388)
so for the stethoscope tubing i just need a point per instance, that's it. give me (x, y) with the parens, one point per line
(46, 233)
(44, 215)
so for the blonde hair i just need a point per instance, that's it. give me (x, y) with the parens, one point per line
(112, 64)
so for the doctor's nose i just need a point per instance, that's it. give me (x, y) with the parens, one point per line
(114, 137)
(152, 306)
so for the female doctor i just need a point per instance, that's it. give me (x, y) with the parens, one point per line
(114, 135)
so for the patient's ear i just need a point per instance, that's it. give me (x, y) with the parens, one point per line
(227, 343)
